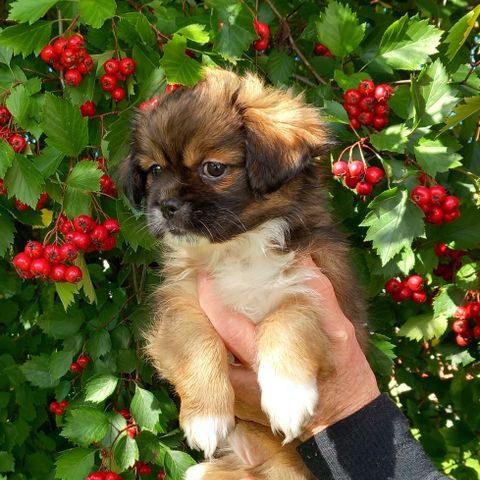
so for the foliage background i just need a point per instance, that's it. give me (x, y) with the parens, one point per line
(428, 51)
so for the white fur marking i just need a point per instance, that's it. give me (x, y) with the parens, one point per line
(197, 472)
(289, 404)
(204, 433)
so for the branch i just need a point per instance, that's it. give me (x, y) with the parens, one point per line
(286, 27)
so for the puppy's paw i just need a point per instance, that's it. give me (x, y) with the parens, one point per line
(289, 404)
(197, 472)
(206, 432)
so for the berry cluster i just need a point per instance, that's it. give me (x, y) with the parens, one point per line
(447, 270)
(117, 71)
(69, 55)
(58, 408)
(16, 141)
(356, 176)
(412, 287)
(436, 204)
(467, 331)
(322, 51)
(263, 31)
(367, 104)
(79, 365)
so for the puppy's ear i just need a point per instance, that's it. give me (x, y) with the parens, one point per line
(283, 134)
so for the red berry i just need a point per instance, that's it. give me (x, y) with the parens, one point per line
(351, 182)
(22, 261)
(99, 235)
(57, 272)
(366, 87)
(450, 203)
(189, 53)
(68, 58)
(451, 216)
(21, 207)
(356, 168)
(340, 168)
(461, 313)
(121, 77)
(59, 46)
(476, 332)
(172, 86)
(34, 249)
(365, 118)
(3, 190)
(352, 96)
(73, 77)
(48, 54)
(108, 82)
(364, 188)
(83, 361)
(262, 29)
(108, 244)
(435, 216)
(132, 430)
(355, 123)
(475, 309)
(112, 226)
(383, 92)
(76, 42)
(73, 274)
(421, 195)
(97, 476)
(40, 267)
(441, 250)
(415, 283)
(83, 223)
(438, 194)
(53, 253)
(161, 475)
(367, 103)
(149, 104)
(381, 109)
(462, 340)
(5, 115)
(118, 94)
(111, 66)
(55, 407)
(125, 414)
(64, 404)
(260, 45)
(127, 66)
(17, 142)
(88, 109)
(81, 240)
(352, 110)
(143, 469)
(460, 326)
(373, 175)
(393, 286)
(404, 293)
(86, 66)
(380, 122)
(69, 251)
(42, 200)
(113, 476)
(419, 297)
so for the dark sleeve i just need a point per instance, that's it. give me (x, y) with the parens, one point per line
(374, 443)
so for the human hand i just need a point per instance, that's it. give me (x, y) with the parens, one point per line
(348, 388)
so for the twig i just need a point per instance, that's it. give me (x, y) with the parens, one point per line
(303, 80)
(286, 27)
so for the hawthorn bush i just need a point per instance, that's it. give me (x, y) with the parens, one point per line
(399, 85)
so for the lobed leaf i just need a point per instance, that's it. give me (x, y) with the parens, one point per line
(30, 11)
(99, 388)
(96, 12)
(145, 409)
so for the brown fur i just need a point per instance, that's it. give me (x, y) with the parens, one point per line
(268, 140)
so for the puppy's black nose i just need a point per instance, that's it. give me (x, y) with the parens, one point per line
(169, 207)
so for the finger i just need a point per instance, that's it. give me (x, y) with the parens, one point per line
(236, 330)
(245, 384)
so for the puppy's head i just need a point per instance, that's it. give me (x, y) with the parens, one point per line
(219, 159)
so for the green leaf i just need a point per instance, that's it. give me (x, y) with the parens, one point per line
(75, 464)
(335, 112)
(134, 26)
(86, 282)
(6, 55)
(99, 344)
(7, 155)
(76, 202)
(446, 301)
(176, 463)
(95, 12)
(463, 111)
(24, 181)
(195, 32)
(180, 68)
(66, 128)
(117, 139)
(85, 176)
(55, 323)
(424, 327)
(439, 155)
(125, 452)
(7, 228)
(49, 160)
(7, 462)
(408, 43)
(280, 66)
(391, 139)
(459, 33)
(381, 354)
(44, 371)
(437, 96)
(145, 409)
(30, 11)
(393, 223)
(345, 82)
(66, 292)
(99, 388)
(339, 29)
(464, 232)
(25, 39)
(85, 425)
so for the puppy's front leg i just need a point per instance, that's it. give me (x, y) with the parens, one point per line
(188, 352)
(292, 352)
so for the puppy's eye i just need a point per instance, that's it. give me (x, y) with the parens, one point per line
(213, 169)
(156, 170)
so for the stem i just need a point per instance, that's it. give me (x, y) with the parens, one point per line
(60, 33)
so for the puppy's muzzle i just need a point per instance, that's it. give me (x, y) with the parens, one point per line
(169, 207)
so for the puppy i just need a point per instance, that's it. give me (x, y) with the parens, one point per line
(230, 181)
